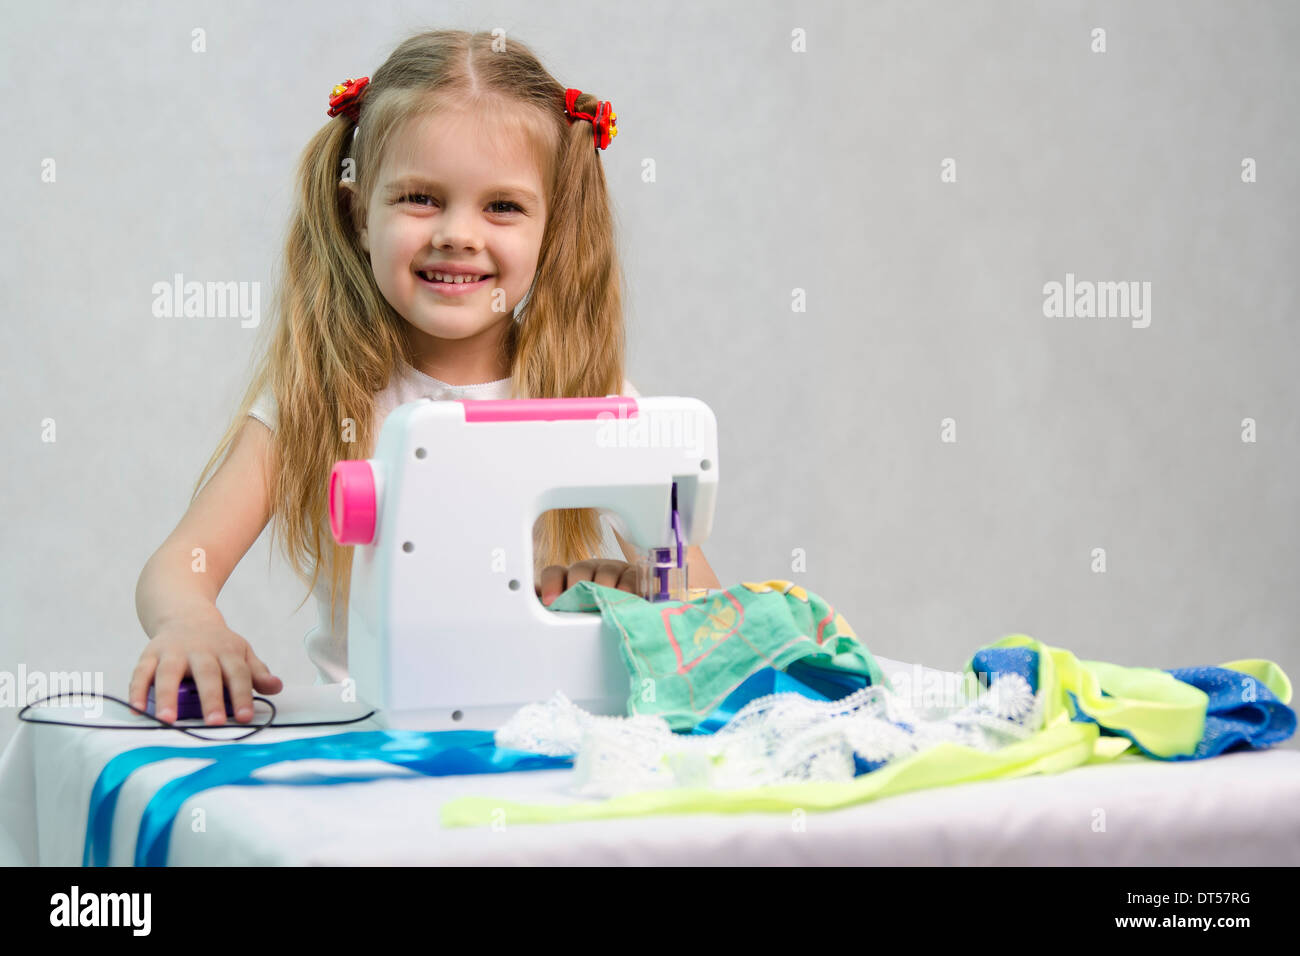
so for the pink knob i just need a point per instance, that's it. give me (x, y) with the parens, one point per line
(352, 502)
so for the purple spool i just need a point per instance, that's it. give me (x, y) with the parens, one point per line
(188, 705)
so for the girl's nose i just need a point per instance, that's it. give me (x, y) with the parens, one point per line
(455, 230)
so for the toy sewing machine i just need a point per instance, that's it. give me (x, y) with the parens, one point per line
(444, 627)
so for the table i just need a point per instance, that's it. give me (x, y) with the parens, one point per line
(1236, 809)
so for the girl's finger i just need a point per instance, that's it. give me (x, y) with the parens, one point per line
(206, 671)
(609, 572)
(627, 580)
(166, 686)
(582, 571)
(264, 682)
(551, 584)
(141, 678)
(239, 684)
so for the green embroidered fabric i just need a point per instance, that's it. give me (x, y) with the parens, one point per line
(684, 658)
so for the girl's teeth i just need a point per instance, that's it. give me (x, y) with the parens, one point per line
(454, 279)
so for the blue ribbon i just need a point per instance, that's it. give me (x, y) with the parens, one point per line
(434, 753)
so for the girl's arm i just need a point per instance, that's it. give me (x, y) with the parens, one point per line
(176, 594)
(700, 575)
(224, 520)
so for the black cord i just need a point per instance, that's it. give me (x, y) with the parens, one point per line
(166, 726)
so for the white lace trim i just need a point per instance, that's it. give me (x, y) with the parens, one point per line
(780, 738)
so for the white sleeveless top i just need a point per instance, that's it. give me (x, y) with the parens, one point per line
(327, 647)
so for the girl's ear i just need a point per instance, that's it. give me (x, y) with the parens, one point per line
(351, 201)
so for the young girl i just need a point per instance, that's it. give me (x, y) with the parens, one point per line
(454, 160)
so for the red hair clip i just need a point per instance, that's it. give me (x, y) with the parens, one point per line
(346, 98)
(602, 122)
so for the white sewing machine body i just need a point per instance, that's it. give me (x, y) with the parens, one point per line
(444, 627)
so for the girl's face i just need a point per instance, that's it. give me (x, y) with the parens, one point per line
(455, 192)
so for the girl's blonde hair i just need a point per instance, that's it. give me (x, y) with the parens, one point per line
(336, 341)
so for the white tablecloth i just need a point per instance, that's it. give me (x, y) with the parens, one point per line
(1237, 809)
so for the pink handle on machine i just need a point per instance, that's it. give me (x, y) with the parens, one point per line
(352, 502)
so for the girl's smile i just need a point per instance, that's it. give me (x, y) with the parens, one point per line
(459, 287)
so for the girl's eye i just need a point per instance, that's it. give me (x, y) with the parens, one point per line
(415, 197)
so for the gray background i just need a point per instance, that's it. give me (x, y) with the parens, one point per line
(775, 170)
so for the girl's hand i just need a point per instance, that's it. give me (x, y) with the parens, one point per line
(557, 579)
(203, 646)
